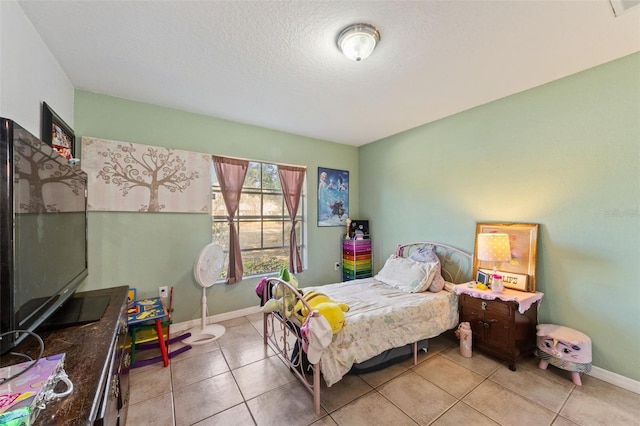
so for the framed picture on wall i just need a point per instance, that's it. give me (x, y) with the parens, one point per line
(520, 272)
(57, 134)
(333, 197)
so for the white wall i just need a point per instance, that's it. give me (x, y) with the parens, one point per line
(29, 74)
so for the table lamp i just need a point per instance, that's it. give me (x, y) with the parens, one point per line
(494, 248)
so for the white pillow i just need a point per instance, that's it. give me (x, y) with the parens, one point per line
(406, 274)
(428, 254)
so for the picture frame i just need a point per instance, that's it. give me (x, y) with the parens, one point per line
(358, 229)
(482, 277)
(57, 134)
(333, 197)
(523, 239)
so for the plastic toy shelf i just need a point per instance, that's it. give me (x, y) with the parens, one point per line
(356, 259)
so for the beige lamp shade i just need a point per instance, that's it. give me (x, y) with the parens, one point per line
(493, 248)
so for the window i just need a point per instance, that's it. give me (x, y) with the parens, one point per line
(262, 220)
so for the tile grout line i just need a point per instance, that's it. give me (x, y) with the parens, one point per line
(566, 401)
(491, 377)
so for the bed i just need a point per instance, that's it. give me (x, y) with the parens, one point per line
(386, 321)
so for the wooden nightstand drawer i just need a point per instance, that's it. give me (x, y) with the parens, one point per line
(495, 307)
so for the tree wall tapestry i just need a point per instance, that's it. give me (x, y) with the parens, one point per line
(126, 176)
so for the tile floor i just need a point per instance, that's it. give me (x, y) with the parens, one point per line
(237, 381)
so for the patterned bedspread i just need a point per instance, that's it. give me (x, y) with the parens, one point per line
(381, 318)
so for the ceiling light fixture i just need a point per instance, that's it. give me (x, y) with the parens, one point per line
(357, 41)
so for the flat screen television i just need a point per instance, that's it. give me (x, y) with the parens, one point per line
(43, 232)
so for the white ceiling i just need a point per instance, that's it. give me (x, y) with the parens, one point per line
(275, 64)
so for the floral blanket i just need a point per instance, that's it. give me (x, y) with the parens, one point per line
(380, 318)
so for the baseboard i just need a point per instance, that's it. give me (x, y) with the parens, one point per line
(187, 325)
(615, 379)
(597, 372)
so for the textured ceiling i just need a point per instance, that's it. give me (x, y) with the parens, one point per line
(275, 64)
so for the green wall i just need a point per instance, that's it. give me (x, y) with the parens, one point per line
(565, 155)
(147, 250)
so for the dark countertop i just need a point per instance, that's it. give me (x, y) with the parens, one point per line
(88, 348)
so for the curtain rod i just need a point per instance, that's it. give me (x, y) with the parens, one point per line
(259, 161)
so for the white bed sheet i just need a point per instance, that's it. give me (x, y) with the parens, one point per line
(381, 318)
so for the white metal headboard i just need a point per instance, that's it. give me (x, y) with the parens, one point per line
(456, 264)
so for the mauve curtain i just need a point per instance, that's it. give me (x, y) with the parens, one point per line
(231, 173)
(291, 178)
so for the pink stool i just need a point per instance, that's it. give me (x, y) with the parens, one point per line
(564, 348)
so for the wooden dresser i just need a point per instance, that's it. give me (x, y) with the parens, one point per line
(499, 328)
(97, 363)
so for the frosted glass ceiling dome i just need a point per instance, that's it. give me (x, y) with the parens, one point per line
(357, 41)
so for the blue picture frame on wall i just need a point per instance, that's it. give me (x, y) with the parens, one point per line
(333, 197)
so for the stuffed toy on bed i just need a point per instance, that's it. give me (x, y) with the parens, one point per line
(284, 305)
(333, 311)
(334, 314)
(312, 298)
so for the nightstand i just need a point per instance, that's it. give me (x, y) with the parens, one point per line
(502, 324)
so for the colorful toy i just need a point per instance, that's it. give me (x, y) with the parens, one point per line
(25, 395)
(282, 301)
(312, 298)
(564, 348)
(334, 314)
(333, 311)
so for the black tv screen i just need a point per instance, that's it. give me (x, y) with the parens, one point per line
(43, 232)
